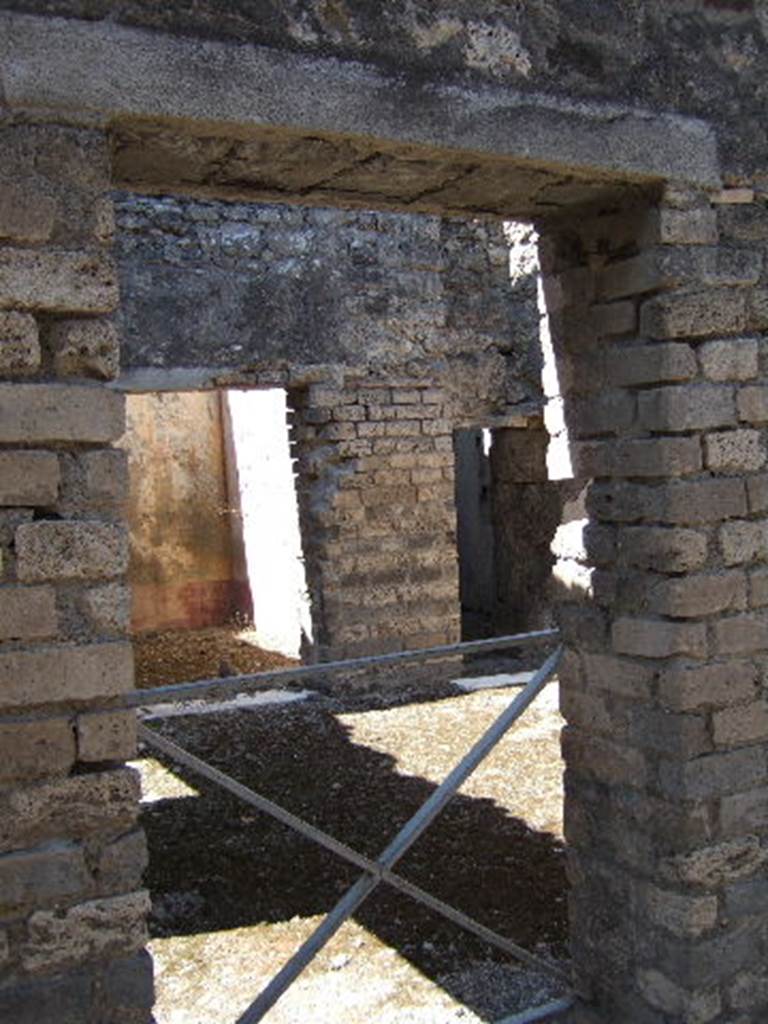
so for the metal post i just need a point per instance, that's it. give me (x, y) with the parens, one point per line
(262, 803)
(228, 684)
(407, 835)
(540, 1012)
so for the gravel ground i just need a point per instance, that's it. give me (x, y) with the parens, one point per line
(234, 893)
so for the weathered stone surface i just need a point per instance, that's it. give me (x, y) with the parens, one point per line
(703, 314)
(618, 675)
(737, 726)
(672, 735)
(686, 407)
(107, 608)
(27, 613)
(100, 804)
(650, 364)
(663, 549)
(61, 999)
(56, 550)
(99, 928)
(106, 474)
(28, 478)
(41, 877)
(85, 348)
(741, 634)
(698, 594)
(64, 672)
(26, 215)
(753, 404)
(697, 1007)
(106, 736)
(688, 227)
(743, 540)
(36, 749)
(57, 282)
(657, 638)
(745, 812)
(710, 866)
(19, 344)
(733, 359)
(713, 774)
(695, 686)
(664, 456)
(679, 913)
(599, 759)
(675, 502)
(37, 413)
(734, 451)
(122, 863)
(128, 984)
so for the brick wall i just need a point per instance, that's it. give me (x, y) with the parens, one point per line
(659, 317)
(376, 502)
(71, 906)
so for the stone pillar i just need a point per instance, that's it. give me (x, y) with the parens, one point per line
(527, 509)
(378, 519)
(72, 916)
(659, 317)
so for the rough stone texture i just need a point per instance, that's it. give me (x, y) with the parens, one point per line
(674, 669)
(28, 478)
(75, 551)
(287, 285)
(27, 613)
(57, 282)
(639, 959)
(19, 344)
(61, 819)
(734, 451)
(85, 348)
(48, 875)
(378, 542)
(39, 413)
(106, 736)
(107, 608)
(36, 750)
(103, 804)
(94, 929)
(64, 672)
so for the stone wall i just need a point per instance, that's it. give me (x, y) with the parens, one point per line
(228, 291)
(659, 318)
(72, 910)
(339, 304)
(707, 58)
(376, 502)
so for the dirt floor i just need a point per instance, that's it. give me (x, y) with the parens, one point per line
(234, 893)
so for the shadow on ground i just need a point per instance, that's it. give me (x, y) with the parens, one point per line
(236, 867)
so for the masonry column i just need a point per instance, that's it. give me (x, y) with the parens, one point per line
(659, 316)
(376, 500)
(72, 916)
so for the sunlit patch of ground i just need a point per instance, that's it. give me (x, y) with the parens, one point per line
(235, 893)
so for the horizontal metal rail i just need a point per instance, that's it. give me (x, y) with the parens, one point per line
(540, 1012)
(262, 803)
(201, 688)
(407, 835)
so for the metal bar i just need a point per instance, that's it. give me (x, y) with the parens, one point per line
(407, 835)
(327, 841)
(540, 1012)
(226, 684)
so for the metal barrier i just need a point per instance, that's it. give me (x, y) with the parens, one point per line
(380, 870)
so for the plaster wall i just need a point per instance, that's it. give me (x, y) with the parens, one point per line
(183, 570)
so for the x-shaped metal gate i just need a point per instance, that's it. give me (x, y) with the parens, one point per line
(380, 870)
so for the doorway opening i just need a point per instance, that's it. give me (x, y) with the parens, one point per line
(217, 570)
